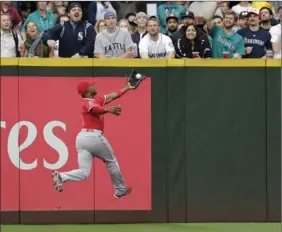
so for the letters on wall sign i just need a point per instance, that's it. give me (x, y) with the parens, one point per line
(14, 148)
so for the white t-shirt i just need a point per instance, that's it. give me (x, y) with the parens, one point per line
(8, 45)
(156, 49)
(238, 9)
(275, 32)
(204, 9)
(56, 49)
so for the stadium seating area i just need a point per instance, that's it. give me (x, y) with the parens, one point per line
(140, 29)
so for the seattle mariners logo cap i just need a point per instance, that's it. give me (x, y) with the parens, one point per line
(109, 14)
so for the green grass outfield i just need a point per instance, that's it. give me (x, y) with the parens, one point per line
(188, 227)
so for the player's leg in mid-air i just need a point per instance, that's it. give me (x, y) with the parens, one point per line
(84, 159)
(105, 153)
(91, 144)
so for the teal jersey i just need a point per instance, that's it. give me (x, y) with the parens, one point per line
(221, 42)
(42, 23)
(210, 40)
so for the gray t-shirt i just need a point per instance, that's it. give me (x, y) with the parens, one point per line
(113, 44)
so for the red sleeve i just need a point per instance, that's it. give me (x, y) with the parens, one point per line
(99, 109)
(15, 16)
(100, 100)
(94, 106)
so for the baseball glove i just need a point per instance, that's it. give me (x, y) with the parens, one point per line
(135, 79)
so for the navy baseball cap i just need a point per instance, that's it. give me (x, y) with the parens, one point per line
(73, 5)
(109, 14)
(188, 14)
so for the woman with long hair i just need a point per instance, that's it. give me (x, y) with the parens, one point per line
(100, 25)
(33, 45)
(194, 44)
(124, 24)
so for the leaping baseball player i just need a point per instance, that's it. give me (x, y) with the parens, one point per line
(90, 141)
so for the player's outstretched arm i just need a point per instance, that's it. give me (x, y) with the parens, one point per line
(117, 94)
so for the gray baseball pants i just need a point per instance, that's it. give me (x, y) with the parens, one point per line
(90, 145)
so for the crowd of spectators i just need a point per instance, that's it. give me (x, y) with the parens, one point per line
(137, 29)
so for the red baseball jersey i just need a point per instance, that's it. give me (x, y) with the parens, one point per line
(91, 120)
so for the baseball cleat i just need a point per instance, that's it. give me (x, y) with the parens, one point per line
(57, 182)
(127, 192)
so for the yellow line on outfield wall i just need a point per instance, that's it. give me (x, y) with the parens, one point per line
(130, 62)
(55, 62)
(9, 61)
(69, 62)
(273, 63)
(225, 63)
(175, 63)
